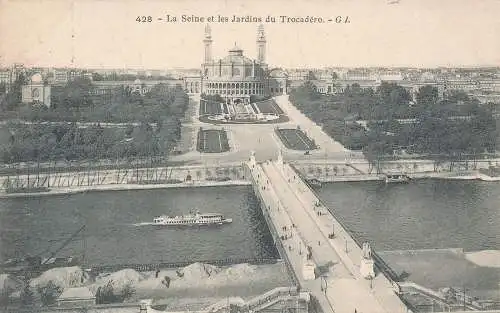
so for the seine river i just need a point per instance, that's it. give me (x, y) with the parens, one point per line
(113, 234)
(423, 214)
(420, 215)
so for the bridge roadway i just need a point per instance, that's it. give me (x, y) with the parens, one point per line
(339, 288)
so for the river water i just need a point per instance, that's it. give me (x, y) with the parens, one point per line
(113, 232)
(420, 215)
(423, 214)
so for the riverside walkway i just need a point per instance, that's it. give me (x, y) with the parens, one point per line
(294, 211)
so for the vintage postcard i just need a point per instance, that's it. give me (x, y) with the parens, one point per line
(249, 156)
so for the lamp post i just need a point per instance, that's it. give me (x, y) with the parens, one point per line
(464, 290)
(371, 281)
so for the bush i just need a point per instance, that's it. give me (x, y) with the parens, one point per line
(127, 292)
(49, 293)
(27, 295)
(105, 294)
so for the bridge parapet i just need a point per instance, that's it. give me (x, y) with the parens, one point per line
(280, 222)
(351, 254)
(352, 250)
(286, 199)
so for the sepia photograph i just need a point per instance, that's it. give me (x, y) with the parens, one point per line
(231, 156)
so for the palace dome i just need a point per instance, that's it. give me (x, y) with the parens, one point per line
(236, 56)
(236, 49)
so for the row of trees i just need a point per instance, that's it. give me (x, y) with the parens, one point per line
(12, 99)
(456, 127)
(126, 77)
(123, 104)
(76, 102)
(47, 295)
(37, 142)
(159, 114)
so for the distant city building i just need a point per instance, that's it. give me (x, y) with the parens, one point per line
(298, 74)
(9, 75)
(390, 76)
(236, 78)
(6, 78)
(137, 86)
(60, 76)
(36, 92)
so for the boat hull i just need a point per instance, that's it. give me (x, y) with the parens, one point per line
(226, 221)
(397, 179)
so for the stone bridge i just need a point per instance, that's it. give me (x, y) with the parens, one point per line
(326, 260)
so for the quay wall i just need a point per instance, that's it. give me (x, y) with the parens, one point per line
(222, 174)
(132, 176)
(155, 266)
(328, 171)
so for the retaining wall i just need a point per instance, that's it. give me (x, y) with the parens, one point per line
(160, 175)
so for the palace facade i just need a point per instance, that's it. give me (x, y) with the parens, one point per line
(236, 78)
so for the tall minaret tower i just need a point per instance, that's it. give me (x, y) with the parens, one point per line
(261, 44)
(207, 41)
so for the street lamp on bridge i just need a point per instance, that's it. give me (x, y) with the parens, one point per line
(371, 277)
(332, 234)
(464, 294)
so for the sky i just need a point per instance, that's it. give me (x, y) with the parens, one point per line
(95, 34)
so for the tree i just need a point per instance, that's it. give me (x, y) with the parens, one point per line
(127, 292)
(427, 97)
(97, 77)
(74, 95)
(5, 295)
(105, 294)
(27, 296)
(49, 293)
(14, 97)
(311, 76)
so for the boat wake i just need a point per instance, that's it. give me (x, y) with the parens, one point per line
(143, 224)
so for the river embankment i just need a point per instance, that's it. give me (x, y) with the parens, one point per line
(223, 175)
(122, 187)
(471, 175)
(436, 269)
(458, 175)
(192, 287)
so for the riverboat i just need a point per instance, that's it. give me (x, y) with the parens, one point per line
(314, 182)
(396, 178)
(198, 219)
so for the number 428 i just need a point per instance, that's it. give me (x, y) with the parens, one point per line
(144, 19)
